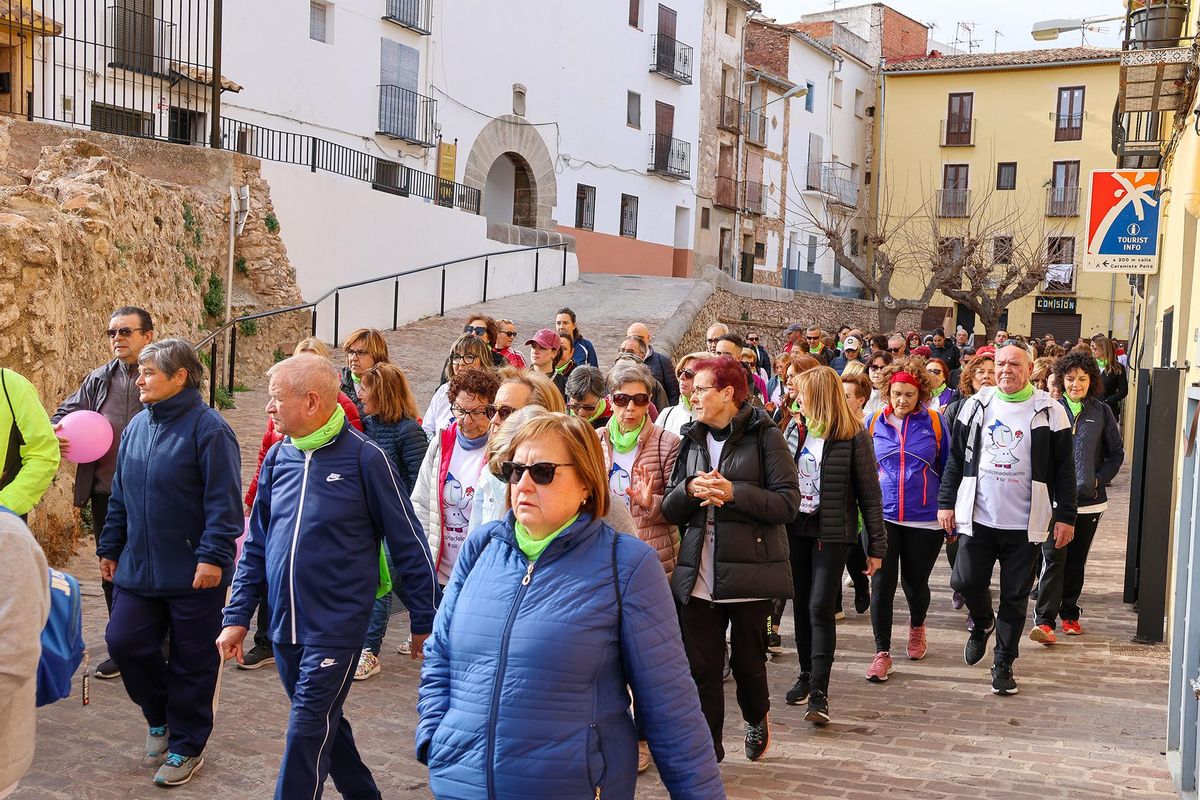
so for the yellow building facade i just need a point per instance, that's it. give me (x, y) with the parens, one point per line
(1006, 142)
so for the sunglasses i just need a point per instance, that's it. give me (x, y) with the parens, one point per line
(895, 349)
(475, 329)
(935, 372)
(124, 333)
(813, 338)
(620, 400)
(712, 341)
(581, 409)
(504, 412)
(686, 374)
(541, 472)
(507, 333)
(751, 338)
(466, 358)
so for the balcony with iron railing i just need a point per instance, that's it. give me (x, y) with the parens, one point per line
(756, 128)
(730, 118)
(1060, 279)
(752, 197)
(416, 15)
(958, 132)
(726, 193)
(1062, 201)
(670, 157)
(835, 179)
(139, 42)
(670, 58)
(408, 116)
(953, 203)
(1068, 127)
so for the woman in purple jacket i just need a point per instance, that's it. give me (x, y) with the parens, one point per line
(908, 439)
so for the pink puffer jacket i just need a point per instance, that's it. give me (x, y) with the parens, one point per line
(657, 450)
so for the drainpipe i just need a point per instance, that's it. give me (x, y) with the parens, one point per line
(837, 68)
(737, 168)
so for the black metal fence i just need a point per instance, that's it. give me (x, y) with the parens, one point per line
(406, 115)
(413, 14)
(133, 67)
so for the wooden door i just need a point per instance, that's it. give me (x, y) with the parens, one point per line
(958, 118)
(664, 132)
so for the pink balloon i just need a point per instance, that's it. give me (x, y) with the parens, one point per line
(89, 434)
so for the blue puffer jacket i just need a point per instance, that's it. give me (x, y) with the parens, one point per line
(404, 442)
(176, 498)
(910, 465)
(523, 692)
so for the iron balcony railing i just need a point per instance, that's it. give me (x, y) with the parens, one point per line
(670, 58)
(140, 42)
(953, 203)
(756, 128)
(753, 197)
(319, 154)
(406, 115)
(670, 157)
(958, 132)
(1068, 127)
(1137, 138)
(731, 114)
(834, 179)
(415, 15)
(1062, 201)
(726, 193)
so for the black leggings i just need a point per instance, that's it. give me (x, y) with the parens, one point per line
(911, 553)
(817, 579)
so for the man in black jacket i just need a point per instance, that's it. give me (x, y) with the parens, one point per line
(111, 390)
(659, 364)
(944, 349)
(815, 338)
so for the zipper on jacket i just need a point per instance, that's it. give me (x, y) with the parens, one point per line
(146, 507)
(295, 539)
(501, 666)
(903, 476)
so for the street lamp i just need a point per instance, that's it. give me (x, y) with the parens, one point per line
(799, 90)
(1050, 29)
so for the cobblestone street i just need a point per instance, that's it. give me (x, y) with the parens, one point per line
(1089, 721)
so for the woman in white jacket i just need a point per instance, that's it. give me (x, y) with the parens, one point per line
(675, 417)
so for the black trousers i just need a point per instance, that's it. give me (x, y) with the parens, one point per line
(1062, 574)
(978, 555)
(817, 579)
(99, 504)
(703, 625)
(911, 553)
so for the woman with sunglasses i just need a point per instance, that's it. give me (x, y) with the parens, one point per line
(364, 349)
(484, 327)
(548, 356)
(587, 393)
(551, 622)
(940, 395)
(673, 418)
(732, 492)
(469, 352)
(912, 340)
(506, 336)
(391, 422)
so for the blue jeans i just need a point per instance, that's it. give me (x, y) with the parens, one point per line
(377, 628)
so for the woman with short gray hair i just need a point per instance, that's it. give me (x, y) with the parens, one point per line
(586, 392)
(168, 547)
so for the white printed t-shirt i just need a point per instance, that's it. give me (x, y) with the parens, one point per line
(1004, 486)
(458, 496)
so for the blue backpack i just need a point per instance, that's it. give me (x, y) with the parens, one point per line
(62, 640)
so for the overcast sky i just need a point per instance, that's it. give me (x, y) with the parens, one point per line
(1013, 19)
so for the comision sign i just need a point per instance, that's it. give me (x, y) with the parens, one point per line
(1122, 221)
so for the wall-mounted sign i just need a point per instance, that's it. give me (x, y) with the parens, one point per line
(1122, 221)
(1043, 304)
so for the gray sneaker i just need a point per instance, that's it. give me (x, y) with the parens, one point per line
(156, 747)
(178, 769)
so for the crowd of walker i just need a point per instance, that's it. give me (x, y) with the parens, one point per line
(585, 555)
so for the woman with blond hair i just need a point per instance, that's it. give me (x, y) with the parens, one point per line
(838, 483)
(673, 418)
(364, 349)
(550, 625)
(468, 352)
(1112, 374)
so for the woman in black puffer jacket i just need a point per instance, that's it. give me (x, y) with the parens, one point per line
(732, 492)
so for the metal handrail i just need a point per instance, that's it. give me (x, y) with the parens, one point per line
(212, 338)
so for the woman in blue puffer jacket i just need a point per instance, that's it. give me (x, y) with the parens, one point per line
(548, 623)
(910, 445)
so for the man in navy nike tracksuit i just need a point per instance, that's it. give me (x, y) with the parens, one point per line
(327, 497)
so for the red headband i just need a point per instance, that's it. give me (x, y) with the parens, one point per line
(904, 377)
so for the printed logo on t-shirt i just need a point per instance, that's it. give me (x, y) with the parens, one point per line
(809, 468)
(618, 479)
(456, 504)
(1002, 441)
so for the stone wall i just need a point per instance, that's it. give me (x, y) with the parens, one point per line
(83, 231)
(768, 311)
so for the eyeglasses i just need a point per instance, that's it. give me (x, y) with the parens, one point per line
(510, 334)
(351, 352)
(686, 374)
(712, 341)
(504, 412)
(702, 389)
(124, 333)
(475, 329)
(466, 358)
(895, 349)
(582, 409)
(541, 472)
(640, 399)
(460, 412)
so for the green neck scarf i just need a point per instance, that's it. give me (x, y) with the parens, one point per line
(601, 407)
(1075, 407)
(1102, 363)
(814, 427)
(816, 350)
(686, 402)
(324, 434)
(533, 548)
(355, 378)
(795, 407)
(1016, 397)
(939, 390)
(558, 370)
(623, 442)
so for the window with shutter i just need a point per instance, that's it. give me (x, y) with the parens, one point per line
(399, 104)
(318, 22)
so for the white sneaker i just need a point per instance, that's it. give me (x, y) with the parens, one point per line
(368, 665)
(405, 647)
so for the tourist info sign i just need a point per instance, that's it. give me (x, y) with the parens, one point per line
(1122, 221)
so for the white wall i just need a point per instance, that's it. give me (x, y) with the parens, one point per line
(328, 251)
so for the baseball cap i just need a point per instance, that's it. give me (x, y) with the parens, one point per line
(851, 343)
(922, 351)
(545, 338)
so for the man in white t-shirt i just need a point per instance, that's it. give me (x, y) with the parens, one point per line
(1010, 474)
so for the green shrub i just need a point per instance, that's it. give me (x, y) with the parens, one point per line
(240, 266)
(206, 358)
(248, 327)
(278, 355)
(189, 218)
(272, 222)
(224, 398)
(214, 298)
(238, 386)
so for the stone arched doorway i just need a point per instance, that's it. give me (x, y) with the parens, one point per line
(511, 152)
(509, 194)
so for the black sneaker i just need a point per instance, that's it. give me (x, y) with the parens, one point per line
(818, 708)
(800, 689)
(862, 598)
(977, 643)
(258, 656)
(1003, 682)
(107, 669)
(774, 643)
(758, 739)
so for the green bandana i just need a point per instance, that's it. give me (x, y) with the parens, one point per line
(816, 350)
(1016, 397)
(1102, 362)
(686, 401)
(355, 378)
(531, 547)
(559, 369)
(795, 407)
(939, 390)
(814, 427)
(1075, 407)
(600, 408)
(324, 434)
(623, 442)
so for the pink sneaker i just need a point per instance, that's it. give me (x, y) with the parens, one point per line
(916, 643)
(881, 667)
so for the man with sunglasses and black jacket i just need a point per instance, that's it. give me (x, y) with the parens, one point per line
(110, 390)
